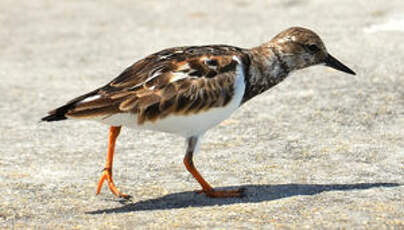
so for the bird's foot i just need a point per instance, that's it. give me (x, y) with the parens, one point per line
(237, 193)
(107, 174)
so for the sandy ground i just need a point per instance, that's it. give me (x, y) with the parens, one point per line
(321, 150)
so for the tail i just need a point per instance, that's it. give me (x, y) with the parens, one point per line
(57, 114)
(60, 113)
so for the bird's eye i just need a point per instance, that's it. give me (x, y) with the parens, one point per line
(313, 48)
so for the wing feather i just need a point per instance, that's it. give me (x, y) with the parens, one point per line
(179, 80)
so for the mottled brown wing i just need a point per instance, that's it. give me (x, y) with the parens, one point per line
(185, 93)
(178, 80)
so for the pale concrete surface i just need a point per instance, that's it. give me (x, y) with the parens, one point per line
(321, 150)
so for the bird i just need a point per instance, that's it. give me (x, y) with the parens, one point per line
(190, 89)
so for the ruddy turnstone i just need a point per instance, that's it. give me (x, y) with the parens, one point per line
(188, 90)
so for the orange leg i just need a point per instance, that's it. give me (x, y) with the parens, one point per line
(107, 174)
(206, 188)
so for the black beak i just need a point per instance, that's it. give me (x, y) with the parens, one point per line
(334, 63)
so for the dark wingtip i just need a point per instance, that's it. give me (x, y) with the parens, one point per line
(54, 117)
(58, 114)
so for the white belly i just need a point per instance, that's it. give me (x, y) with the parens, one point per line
(185, 125)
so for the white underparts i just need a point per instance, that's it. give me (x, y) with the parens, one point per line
(190, 124)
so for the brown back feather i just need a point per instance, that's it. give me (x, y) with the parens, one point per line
(179, 80)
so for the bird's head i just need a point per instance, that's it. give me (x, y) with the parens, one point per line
(298, 48)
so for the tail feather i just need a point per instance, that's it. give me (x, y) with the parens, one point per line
(54, 117)
(60, 113)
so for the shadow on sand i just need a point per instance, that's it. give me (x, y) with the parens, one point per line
(254, 194)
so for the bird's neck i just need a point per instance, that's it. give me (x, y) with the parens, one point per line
(266, 70)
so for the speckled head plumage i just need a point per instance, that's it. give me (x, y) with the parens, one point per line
(300, 47)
